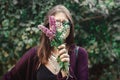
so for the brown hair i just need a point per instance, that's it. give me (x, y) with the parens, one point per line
(44, 49)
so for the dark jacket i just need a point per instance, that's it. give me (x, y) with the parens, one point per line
(26, 67)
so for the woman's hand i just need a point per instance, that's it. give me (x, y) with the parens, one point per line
(63, 53)
(64, 57)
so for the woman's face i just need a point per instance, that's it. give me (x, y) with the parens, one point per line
(63, 24)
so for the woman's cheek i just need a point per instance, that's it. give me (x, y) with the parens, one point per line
(66, 33)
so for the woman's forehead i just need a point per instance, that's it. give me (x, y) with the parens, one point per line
(60, 16)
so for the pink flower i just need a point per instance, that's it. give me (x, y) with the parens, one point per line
(52, 23)
(49, 32)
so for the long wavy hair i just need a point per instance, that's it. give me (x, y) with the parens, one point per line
(44, 48)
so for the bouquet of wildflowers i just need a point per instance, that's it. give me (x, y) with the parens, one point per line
(56, 37)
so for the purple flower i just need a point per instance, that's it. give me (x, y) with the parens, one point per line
(49, 32)
(52, 23)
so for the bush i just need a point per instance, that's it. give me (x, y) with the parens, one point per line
(96, 28)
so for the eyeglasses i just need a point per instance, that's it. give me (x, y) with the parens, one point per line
(64, 23)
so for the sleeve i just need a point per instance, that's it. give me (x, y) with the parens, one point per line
(19, 71)
(82, 64)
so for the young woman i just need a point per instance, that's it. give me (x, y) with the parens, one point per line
(39, 63)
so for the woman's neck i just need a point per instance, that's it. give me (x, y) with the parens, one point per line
(55, 51)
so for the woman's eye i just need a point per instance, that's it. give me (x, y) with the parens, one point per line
(58, 24)
(66, 23)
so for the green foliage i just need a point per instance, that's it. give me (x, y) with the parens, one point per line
(96, 28)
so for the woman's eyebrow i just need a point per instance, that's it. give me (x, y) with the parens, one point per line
(62, 20)
(65, 20)
(58, 20)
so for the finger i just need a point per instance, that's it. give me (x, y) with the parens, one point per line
(62, 51)
(64, 56)
(62, 46)
(65, 59)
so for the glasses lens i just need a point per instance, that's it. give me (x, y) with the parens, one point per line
(58, 23)
(65, 23)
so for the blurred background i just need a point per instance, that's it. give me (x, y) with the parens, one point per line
(97, 29)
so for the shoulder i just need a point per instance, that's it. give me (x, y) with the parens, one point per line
(82, 52)
(30, 53)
